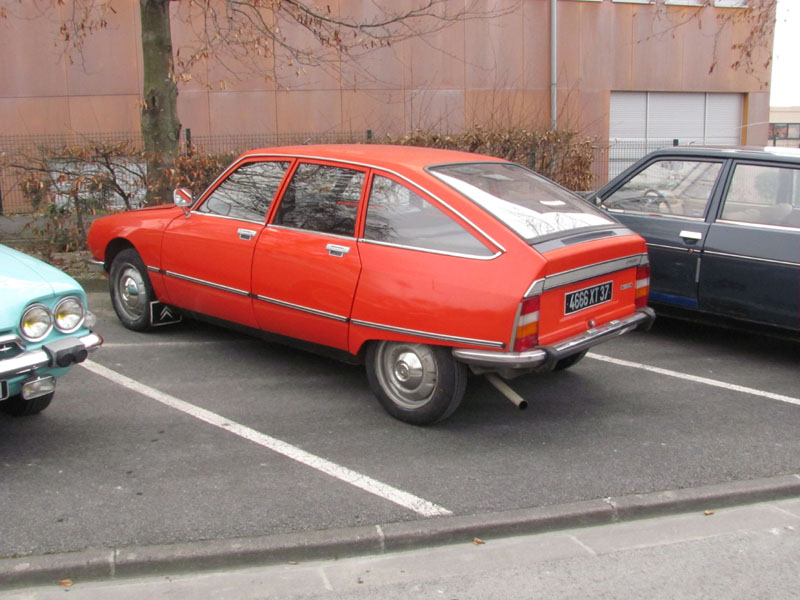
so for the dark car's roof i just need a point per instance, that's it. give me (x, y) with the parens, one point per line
(771, 153)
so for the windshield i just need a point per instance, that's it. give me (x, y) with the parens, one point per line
(527, 203)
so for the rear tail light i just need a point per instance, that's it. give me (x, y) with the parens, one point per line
(527, 334)
(642, 284)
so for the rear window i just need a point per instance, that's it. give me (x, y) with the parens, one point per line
(529, 204)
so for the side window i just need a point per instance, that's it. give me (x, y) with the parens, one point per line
(397, 215)
(321, 198)
(247, 192)
(668, 187)
(764, 195)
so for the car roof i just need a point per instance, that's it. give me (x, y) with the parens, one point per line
(378, 155)
(771, 153)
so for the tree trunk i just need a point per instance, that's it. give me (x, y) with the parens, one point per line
(160, 124)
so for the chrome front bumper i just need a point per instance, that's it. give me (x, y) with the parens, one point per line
(57, 354)
(544, 358)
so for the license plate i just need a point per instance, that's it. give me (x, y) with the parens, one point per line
(587, 297)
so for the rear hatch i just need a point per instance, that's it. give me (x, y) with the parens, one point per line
(589, 282)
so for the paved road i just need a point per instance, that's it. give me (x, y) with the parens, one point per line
(195, 433)
(744, 552)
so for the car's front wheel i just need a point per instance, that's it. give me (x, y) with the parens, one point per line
(17, 406)
(415, 383)
(131, 290)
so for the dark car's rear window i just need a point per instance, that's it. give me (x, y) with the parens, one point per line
(529, 204)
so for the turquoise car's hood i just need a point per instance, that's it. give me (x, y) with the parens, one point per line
(24, 279)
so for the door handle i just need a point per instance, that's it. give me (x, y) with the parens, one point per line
(246, 234)
(337, 250)
(691, 236)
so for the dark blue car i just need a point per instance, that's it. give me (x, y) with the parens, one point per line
(723, 231)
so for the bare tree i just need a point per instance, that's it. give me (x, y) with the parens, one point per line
(267, 37)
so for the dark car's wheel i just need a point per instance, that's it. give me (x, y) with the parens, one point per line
(416, 383)
(17, 406)
(131, 290)
(566, 363)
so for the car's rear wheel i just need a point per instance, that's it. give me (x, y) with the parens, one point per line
(17, 406)
(131, 290)
(415, 383)
(566, 363)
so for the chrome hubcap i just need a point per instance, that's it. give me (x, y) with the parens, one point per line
(131, 292)
(407, 373)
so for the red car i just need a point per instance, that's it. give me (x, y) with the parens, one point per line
(420, 263)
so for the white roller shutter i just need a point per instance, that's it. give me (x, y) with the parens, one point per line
(640, 122)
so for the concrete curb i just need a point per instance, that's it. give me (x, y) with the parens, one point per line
(94, 564)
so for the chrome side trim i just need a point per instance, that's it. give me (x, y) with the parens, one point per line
(432, 336)
(429, 251)
(305, 309)
(98, 266)
(759, 225)
(753, 258)
(666, 247)
(216, 286)
(575, 275)
(216, 216)
(272, 227)
(663, 215)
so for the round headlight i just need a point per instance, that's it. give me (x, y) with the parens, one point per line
(36, 323)
(69, 314)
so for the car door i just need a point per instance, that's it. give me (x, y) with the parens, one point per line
(306, 263)
(207, 255)
(751, 262)
(667, 202)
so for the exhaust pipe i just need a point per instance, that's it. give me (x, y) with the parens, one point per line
(506, 390)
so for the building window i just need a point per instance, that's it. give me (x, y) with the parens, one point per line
(784, 131)
(731, 3)
(634, 1)
(687, 2)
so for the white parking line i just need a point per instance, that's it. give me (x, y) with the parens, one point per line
(695, 378)
(387, 492)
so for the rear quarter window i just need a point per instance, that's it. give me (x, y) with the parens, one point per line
(532, 206)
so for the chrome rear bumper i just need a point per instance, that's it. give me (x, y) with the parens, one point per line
(544, 358)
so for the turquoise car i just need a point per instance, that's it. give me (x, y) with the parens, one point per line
(45, 328)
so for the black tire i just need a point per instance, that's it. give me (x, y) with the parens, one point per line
(16, 406)
(415, 383)
(131, 290)
(566, 363)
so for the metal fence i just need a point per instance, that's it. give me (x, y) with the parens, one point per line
(21, 150)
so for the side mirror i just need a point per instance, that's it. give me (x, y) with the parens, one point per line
(182, 197)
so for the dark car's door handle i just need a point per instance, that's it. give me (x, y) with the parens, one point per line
(337, 250)
(246, 234)
(691, 236)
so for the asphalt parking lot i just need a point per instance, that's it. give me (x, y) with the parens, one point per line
(196, 433)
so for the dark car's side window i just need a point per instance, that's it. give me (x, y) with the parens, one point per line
(668, 187)
(764, 195)
(247, 192)
(398, 215)
(321, 198)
